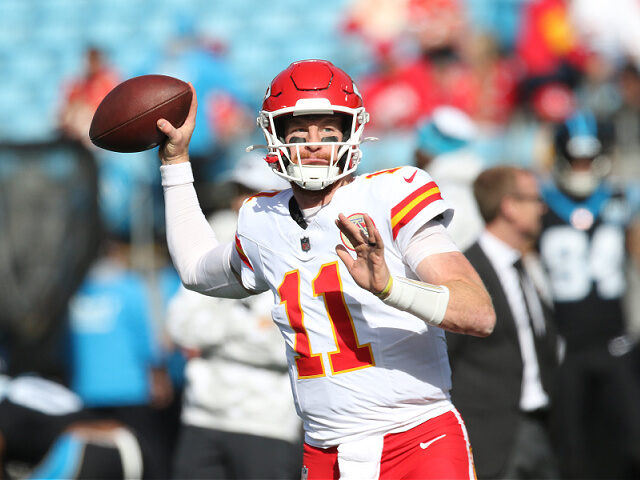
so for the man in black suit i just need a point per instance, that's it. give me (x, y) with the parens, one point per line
(502, 383)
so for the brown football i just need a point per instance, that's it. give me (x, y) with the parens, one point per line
(125, 120)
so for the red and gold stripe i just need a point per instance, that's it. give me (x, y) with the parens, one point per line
(413, 204)
(243, 256)
(263, 194)
(382, 172)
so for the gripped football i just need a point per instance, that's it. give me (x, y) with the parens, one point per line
(125, 120)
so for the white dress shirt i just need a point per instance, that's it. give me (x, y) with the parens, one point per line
(502, 258)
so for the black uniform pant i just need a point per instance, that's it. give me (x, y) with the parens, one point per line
(214, 454)
(532, 455)
(597, 415)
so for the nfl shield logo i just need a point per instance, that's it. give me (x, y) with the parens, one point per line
(304, 244)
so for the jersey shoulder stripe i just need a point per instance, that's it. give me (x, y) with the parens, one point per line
(413, 204)
(382, 172)
(243, 256)
(262, 194)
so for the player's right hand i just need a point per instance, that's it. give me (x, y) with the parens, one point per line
(175, 149)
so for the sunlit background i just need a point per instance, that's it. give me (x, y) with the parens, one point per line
(515, 67)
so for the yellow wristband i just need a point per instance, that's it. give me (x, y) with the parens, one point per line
(385, 291)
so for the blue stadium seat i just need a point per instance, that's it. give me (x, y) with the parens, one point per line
(394, 148)
(15, 22)
(224, 27)
(15, 12)
(31, 124)
(32, 63)
(42, 43)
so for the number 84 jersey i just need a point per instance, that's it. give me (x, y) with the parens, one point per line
(357, 366)
(582, 246)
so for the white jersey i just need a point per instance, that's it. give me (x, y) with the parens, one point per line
(217, 394)
(357, 366)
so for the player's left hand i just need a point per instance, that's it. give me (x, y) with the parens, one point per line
(369, 268)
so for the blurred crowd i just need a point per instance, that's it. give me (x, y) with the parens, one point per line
(102, 349)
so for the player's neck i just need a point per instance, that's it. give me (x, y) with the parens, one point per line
(318, 198)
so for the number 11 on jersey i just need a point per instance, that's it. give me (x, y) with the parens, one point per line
(349, 354)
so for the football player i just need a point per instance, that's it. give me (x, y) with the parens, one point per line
(584, 247)
(364, 278)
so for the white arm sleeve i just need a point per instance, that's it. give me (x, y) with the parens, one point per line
(203, 263)
(426, 301)
(430, 239)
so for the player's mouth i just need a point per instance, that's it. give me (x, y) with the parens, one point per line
(315, 159)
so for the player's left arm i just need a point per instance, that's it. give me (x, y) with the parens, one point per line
(450, 295)
(469, 308)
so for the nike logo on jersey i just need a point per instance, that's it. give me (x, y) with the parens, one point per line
(424, 445)
(410, 179)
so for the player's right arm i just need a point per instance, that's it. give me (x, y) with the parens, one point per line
(204, 265)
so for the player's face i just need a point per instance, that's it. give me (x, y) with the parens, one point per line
(309, 131)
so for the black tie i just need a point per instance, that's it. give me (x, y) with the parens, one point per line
(528, 292)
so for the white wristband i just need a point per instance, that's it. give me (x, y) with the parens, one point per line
(176, 174)
(425, 301)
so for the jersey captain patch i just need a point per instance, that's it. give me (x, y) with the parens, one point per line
(412, 204)
(358, 220)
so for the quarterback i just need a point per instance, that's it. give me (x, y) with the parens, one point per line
(363, 275)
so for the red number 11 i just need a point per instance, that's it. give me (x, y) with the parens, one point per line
(349, 354)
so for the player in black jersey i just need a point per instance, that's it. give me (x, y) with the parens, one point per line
(584, 247)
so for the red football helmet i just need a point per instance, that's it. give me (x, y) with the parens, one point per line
(311, 87)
